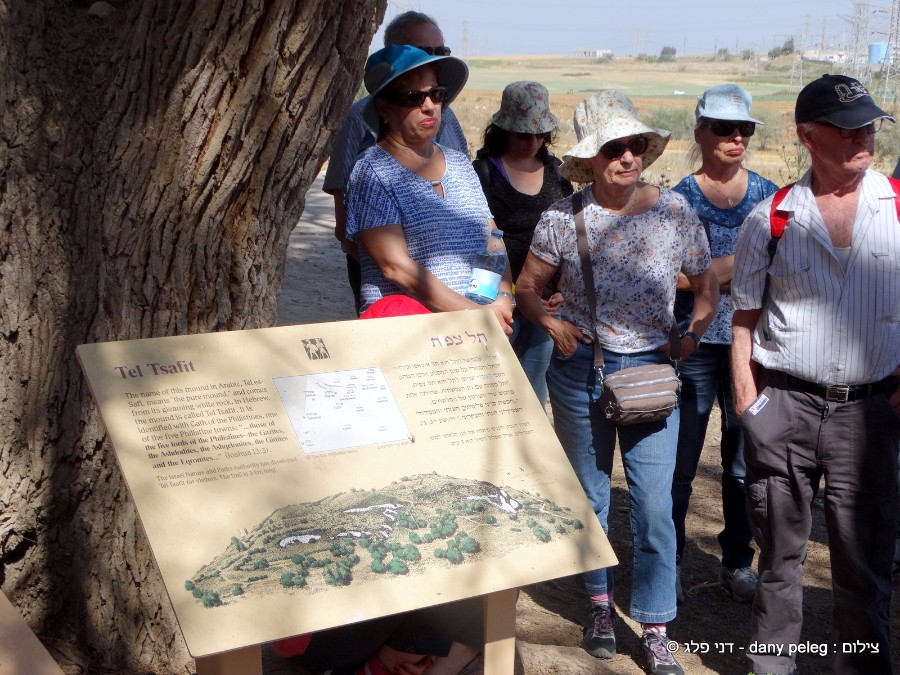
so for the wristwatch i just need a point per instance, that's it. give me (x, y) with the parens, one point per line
(507, 294)
(696, 338)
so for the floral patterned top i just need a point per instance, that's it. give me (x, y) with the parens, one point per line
(723, 227)
(635, 260)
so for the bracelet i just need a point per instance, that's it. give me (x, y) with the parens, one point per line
(509, 296)
(694, 337)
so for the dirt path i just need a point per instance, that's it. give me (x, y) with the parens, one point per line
(550, 614)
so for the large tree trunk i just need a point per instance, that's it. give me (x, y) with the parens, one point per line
(152, 166)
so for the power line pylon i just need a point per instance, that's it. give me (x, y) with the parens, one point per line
(887, 86)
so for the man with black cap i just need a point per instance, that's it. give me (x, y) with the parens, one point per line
(815, 353)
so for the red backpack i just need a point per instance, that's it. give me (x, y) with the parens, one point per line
(778, 220)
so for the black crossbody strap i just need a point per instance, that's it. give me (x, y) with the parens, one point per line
(588, 276)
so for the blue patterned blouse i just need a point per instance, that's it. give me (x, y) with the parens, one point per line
(723, 227)
(442, 233)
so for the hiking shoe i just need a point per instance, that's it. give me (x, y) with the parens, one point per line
(600, 637)
(658, 660)
(740, 583)
(679, 594)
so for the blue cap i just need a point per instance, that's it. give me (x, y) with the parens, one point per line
(725, 102)
(389, 63)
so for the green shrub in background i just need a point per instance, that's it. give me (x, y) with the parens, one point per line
(773, 133)
(887, 145)
(678, 120)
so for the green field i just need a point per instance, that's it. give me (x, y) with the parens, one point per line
(652, 87)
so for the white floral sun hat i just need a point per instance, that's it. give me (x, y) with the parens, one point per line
(606, 116)
(525, 108)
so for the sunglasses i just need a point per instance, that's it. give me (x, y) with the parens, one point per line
(524, 136)
(615, 149)
(415, 98)
(870, 128)
(435, 51)
(723, 128)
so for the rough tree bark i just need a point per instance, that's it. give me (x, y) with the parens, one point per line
(152, 166)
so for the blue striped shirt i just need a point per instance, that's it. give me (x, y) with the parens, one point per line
(442, 233)
(826, 324)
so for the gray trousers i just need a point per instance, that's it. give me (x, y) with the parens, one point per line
(792, 441)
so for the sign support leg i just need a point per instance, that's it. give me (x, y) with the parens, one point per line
(499, 632)
(246, 661)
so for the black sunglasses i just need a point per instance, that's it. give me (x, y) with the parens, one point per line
(524, 136)
(415, 98)
(435, 51)
(870, 128)
(615, 149)
(724, 128)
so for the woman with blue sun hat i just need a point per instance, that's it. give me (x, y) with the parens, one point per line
(415, 207)
(722, 193)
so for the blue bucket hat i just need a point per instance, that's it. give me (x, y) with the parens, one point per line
(386, 65)
(725, 102)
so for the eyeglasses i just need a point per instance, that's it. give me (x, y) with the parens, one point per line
(524, 136)
(415, 98)
(723, 128)
(615, 149)
(435, 51)
(870, 128)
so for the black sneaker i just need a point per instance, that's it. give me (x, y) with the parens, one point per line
(739, 583)
(658, 660)
(600, 637)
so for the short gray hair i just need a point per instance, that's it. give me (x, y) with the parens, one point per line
(395, 33)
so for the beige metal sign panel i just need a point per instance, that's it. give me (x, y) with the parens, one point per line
(296, 478)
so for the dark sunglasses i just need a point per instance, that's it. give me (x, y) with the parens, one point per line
(615, 149)
(870, 128)
(415, 98)
(524, 136)
(723, 128)
(435, 51)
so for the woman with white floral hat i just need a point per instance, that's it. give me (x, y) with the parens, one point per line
(520, 179)
(639, 238)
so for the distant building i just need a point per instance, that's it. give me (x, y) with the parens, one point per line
(593, 53)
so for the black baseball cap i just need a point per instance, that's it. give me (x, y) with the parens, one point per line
(839, 99)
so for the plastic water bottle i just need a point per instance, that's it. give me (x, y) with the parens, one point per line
(487, 270)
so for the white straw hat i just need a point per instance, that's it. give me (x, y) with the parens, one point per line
(607, 116)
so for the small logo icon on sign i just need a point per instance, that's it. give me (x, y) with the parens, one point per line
(316, 349)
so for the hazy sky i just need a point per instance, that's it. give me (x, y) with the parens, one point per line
(498, 27)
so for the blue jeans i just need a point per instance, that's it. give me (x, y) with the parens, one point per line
(533, 347)
(648, 455)
(706, 377)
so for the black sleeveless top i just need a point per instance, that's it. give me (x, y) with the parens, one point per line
(515, 213)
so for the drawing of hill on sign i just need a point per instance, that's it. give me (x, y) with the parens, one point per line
(349, 538)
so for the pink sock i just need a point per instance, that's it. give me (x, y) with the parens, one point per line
(605, 599)
(659, 627)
